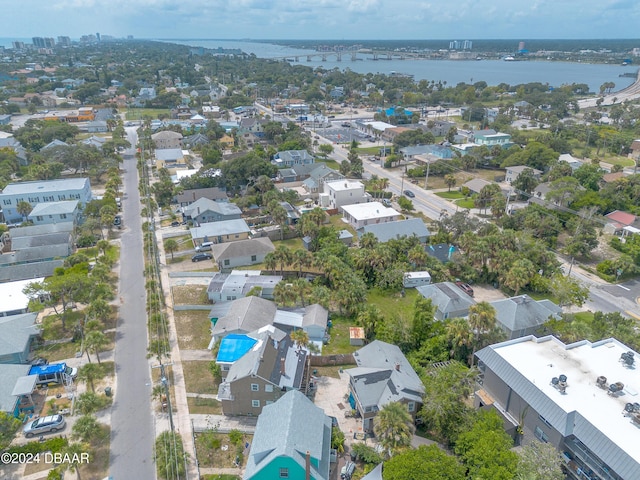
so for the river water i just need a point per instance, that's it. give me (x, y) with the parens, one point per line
(451, 71)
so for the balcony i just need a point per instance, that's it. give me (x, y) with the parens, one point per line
(583, 464)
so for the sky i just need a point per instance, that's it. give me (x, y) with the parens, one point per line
(323, 19)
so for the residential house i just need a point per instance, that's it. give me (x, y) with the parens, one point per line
(345, 192)
(611, 178)
(167, 139)
(227, 142)
(448, 299)
(314, 184)
(398, 229)
(220, 232)
(41, 191)
(264, 374)
(94, 141)
(198, 139)
(522, 315)
(285, 446)
(476, 185)
(55, 212)
(234, 285)
(242, 253)
(512, 173)
(491, 138)
(10, 375)
(390, 134)
(289, 158)
(205, 210)
(433, 153)
(234, 346)
(363, 214)
(573, 162)
(7, 140)
(577, 397)
(54, 143)
(211, 111)
(617, 222)
(411, 152)
(12, 300)
(17, 333)
(383, 375)
(187, 197)
(97, 126)
(170, 158)
(247, 314)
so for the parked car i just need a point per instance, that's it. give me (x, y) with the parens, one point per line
(48, 424)
(201, 256)
(175, 224)
(409, 193)
(465, 287)
(117, 221)
(386, 202)
(204, 247)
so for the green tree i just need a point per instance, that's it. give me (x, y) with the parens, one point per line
(300, 338)
(525, 182)
(450, 181)
(88, 402)
(394, 427)
(426, 462)
(568, 291)
(171, 246)
(369, 318)
(539, 461)
(87, 429)
(282, 254)
(89, 373)
(519, 275)
(73, 457)
(24, 209)
(405, 204)
(9, 425)
(95, 342)
(482, 320)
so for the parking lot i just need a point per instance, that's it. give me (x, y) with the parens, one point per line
(339, 134)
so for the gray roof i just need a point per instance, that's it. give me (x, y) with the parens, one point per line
(166, 135)
(54, 143)
(54, 208)
(25, 385)
(253, 363)
(302, 170)
(446, 297)
(291, 427)
(384, 375)
(46, 240)
(40, 186)
(294, 156)
(169, 154)
(9, 375)
(315, 314)
(225, 227)
(522, 313)
(25, 271)
(204, 204)
(521, 168)
(244, 315)
(476, 184)
(15, 332)
(375, 474)
(241, 281)
(415, 150)
(192, 195)
(242, 248)
(398, 229)
(41, 229)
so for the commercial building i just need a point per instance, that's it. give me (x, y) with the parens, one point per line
(581, 397)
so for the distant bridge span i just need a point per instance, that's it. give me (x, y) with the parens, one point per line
(629, 93)
(355, 55)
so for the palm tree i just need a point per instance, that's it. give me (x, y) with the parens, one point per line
(369, 318)
(302, 258)
(450, 180)
(89, 373)
(24, 209)
(317, 215)
(283, 294)
(482, 319)
(86, 429)
(301, 288)
(394, 427)
(459, 335)
(300, 337)
(283, 256)
(270, 262)
(368, 240)
(171, 246)
(94, 342)
(74, 453)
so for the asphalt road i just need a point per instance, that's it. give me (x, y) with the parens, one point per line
(132, 428)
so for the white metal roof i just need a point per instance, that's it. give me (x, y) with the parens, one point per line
(366, 211)
(528, 364)
(11, 296)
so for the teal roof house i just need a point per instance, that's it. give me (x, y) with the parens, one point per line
(292, 440)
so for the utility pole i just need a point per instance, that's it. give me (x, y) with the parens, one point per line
(426, 178)
(165, 384)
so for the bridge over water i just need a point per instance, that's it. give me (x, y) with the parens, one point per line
(360, 54)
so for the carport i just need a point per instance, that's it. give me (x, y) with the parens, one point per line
(23, 389)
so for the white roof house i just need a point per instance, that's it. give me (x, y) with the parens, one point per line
(363, 214)
(345, 192)
(12, 300)
(584, 414)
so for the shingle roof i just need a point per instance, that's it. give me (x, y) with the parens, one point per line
(315, 315)
(242, 248)
(225, 227)
(398, 229)
(291, 427)
(446, 297)
(15, 332)
(384, 375)
(54, 208)
(521, 313)
(246, 315)
(204, 204)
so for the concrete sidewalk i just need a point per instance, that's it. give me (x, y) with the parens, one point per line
(223, 423)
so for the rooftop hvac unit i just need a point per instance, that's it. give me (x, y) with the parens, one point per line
(627, 359)
(615, 388)
(601, 381)
(632, 407)
(560, 382)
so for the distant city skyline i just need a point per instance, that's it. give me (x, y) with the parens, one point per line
(324, 19)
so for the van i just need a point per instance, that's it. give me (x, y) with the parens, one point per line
(53, 373)
(204, 247)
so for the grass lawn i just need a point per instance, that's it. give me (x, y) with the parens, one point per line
(194, 329)
(205, 406)
(58, 351)
(465, 203)
(222, 476)
(584, 316)
(452, 195)
(216, 450)
(336, 221)
(139, 113)
(292, 243)
(391, 304)
(330, 371)
(331, 164)
(339, 342)
(190, 295)
(198, 377)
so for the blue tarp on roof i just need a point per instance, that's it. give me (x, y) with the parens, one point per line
(233, 347)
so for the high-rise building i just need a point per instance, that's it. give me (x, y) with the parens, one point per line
(18, 45)
(64, 41)
(49, 42)
(38, 42)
